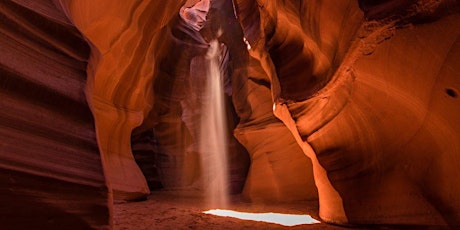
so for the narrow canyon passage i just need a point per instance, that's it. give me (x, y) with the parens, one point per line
(347, 111)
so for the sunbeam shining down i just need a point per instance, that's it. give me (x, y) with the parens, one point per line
(275, 218)
(213, 139)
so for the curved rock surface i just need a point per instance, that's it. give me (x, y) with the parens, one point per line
(125, 39)
(50, 170)
(376, 111)
(360, 98)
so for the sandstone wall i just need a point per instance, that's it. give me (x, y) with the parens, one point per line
(125, 38)
(360, 98)
(50, 169)
(376, 109)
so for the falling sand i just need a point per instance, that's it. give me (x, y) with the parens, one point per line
(213, 137)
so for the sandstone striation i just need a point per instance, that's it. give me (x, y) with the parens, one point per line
(376, 111)
(125, 39)
(50, 167)
(354, 103)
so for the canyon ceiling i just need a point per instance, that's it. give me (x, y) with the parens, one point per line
(354, 103)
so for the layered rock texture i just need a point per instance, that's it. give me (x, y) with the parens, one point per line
(50, 169)
(354, 103)
(372, 101)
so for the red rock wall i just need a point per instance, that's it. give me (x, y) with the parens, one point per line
(367, 90)
(50, 169)
(125, 39)
(377, 107)
(277, 172)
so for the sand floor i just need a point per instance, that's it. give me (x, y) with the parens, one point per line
(178, 210)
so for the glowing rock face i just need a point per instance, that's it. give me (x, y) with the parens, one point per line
(195, 15)
(368, 102)
(370, 97)
(125, 41)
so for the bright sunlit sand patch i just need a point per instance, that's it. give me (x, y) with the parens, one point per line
(275, 218)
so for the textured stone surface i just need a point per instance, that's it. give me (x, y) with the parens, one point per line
(125, 38)
(378, 119)
(51, 172)
(177, 114)
(362, 96)
(279, 170)
(145, 150)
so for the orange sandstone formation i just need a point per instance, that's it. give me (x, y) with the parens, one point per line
(370, 100)
(353, 102)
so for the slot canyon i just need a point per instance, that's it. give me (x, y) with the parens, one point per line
(348, 111)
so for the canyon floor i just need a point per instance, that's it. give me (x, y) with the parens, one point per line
(179, 210)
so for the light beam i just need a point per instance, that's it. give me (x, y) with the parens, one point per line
(275, 218)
